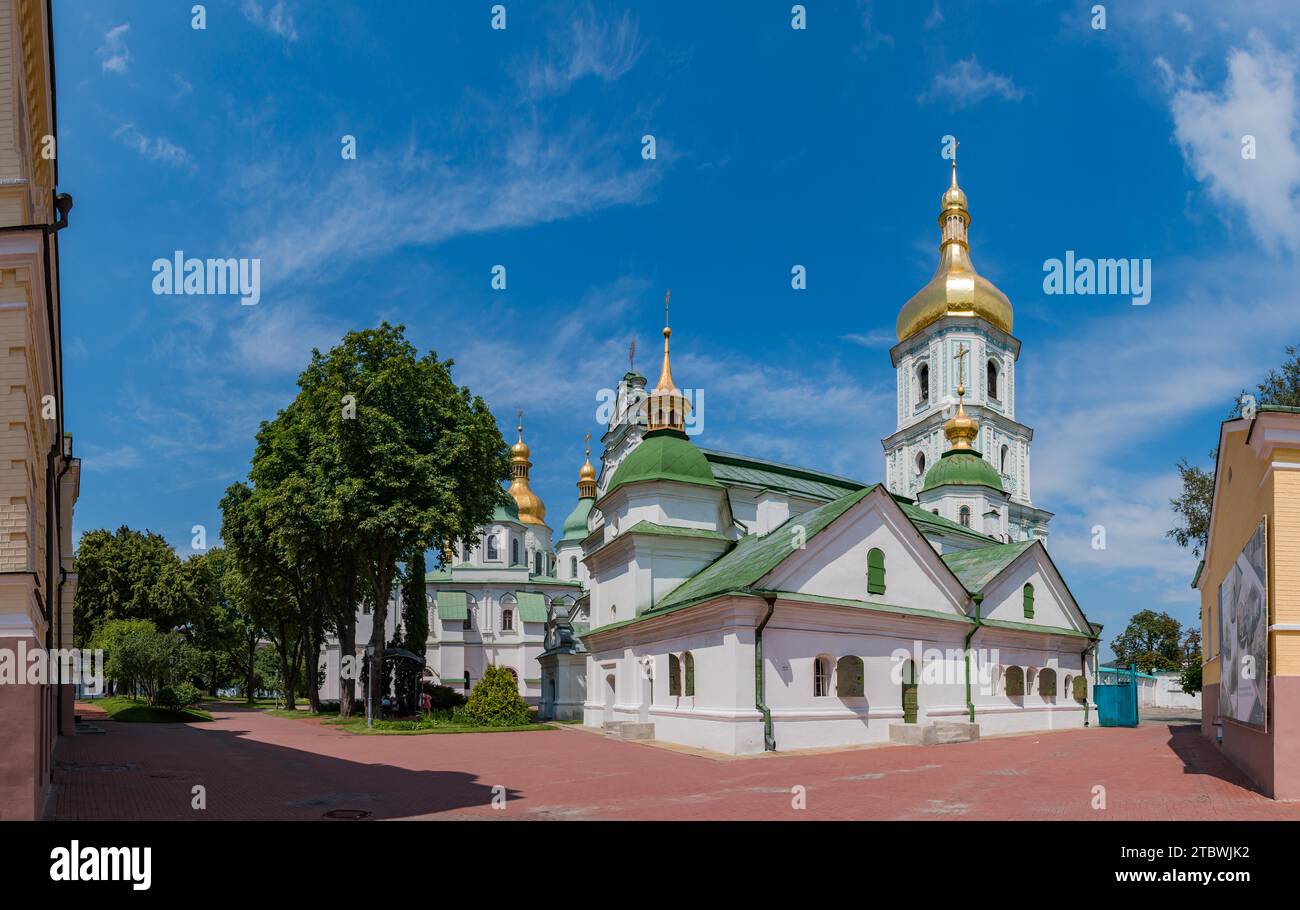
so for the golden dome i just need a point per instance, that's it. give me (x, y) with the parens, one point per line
(956, 288)
(531, 508)
(666, 407)
(587, 476)
(961, 429)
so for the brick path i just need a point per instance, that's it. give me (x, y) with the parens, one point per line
(255, 766)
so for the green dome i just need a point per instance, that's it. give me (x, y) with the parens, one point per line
(962, 467)
(664, 455)
(575, 526)
(507, 512)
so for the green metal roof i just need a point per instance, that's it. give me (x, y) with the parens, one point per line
(753, 556)
(649, 527)
(976, 568)
(575, 526)
(452, 605)
(962, 468)
(532, 606)
(740, 469)
(1033, 627)
(664, 455)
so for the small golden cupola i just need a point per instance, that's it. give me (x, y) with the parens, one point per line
(956, 288)
(587, 476)
(961, 429)
(531, 508)
(666, 407)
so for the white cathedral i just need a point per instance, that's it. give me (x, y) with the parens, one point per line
(739, 605)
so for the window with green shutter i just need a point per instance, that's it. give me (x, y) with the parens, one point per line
(689, 660)
(1029, 601)
(849, 677)
(911, 699)
(674, 675)
(1080, 689)
(1015, 682)
(876, 572)
(1047, 683)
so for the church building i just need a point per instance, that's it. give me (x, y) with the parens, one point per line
(739, 605)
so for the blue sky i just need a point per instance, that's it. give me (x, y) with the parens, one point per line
(775, 147)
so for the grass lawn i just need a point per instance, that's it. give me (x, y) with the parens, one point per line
(408, 727)
(127, 710)
(238, 700)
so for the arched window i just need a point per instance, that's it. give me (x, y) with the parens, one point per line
(514, 551)
(821, 677)
(491, 547)
(1004, 461)
(471, 607)
(513, 675)
(507, 620)
(964, 516)
(1031, 679)
(920, 464)
(1015, 686)
(876, 571)
(849, 681)
(1029, 601)
(993, 380)
(688, 661)
(1080, 689)
(1047, 683)
(537, 562)
(466, 680)
(573, 567)
(923, 383)
(674, 675)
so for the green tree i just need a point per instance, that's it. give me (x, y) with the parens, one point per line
(1193, 505)
(1191, 674)
(414, 629)
(1152, 641)
(127, 574)
(412, 460)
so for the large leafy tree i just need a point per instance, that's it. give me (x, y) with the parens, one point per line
(1192, 507)
(128, 574)
(273, 601)
(411, 460)
(1152, 641)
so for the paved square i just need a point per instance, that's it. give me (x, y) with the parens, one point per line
(255, 766)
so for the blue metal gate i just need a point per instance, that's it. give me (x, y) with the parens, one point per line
(1116, 694)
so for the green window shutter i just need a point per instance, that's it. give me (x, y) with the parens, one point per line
(1080, 689)
(1047, 683)
(1029, 601)
(911, 702)
(849, 678)
(674, 675)
(1015, 682)
(876, 572)
(689, 660)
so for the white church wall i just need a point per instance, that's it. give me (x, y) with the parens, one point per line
(1005, 599)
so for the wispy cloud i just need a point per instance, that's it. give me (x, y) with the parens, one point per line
(876, 338)
(276, 19)
(966, 83)
(593, 47)
(156, 148)
(872, 37)
(114, 55)
(1257, 99)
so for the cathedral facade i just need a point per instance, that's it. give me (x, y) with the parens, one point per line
(740, 605)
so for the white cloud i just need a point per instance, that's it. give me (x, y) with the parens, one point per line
(872, 36)
(114, 55)
(1257, 98)
(967, 82)
(876, 338)
(156, 148)
(593, 47)
(935, 18)
(277, 19)
(97, 459)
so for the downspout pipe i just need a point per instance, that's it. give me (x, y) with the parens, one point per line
(769, 737)
(970, 702)
(1084, 657)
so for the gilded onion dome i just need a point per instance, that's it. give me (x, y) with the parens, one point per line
(532, 510)
(665, 408)
(956, 288)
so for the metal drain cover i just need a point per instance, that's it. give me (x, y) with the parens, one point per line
(348, 814)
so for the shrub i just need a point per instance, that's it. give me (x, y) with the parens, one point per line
(496, 702)
(443, 696)
(187, 694)
(165, 697)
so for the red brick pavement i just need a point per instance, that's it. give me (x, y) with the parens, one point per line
(254, 766)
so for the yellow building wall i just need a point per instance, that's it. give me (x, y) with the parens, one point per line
(1251, 488)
